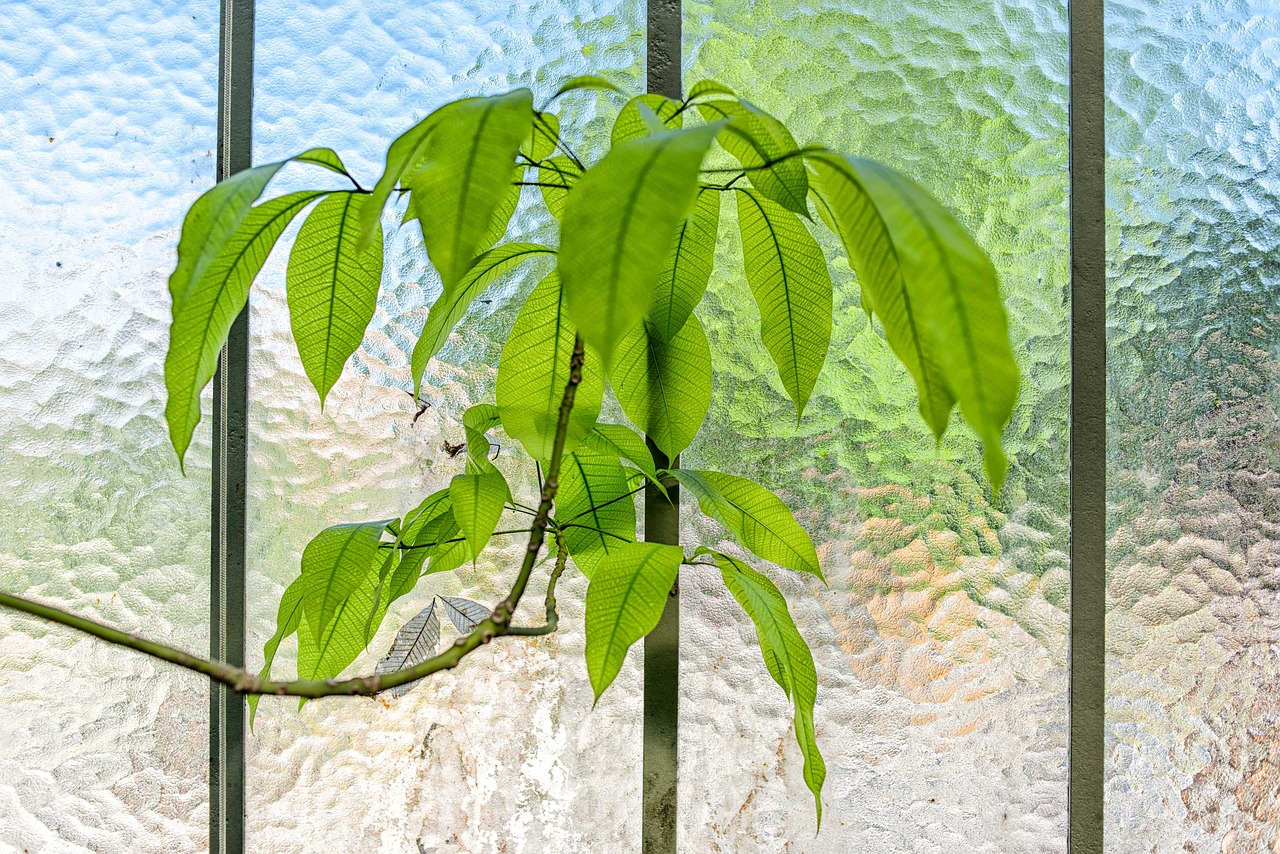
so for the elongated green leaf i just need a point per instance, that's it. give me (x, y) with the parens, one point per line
(405, 156)
(534, 370)
(594, 508)
(466, 175)
(935, 291)
(786, 655)
(756, 517)
(326, 157)
(544, 137)
(202, 322)
(762, 144)
(664, 387)
(631, 123)
(684, 279)
(789, 278)
(450, 556)
(476, 421)
(345, 635)
(452, 305)
(415, 643)
(288, 618)
(585, 81)
(556, 178)
(628, 591)
(332, 288)
(424, 534)
(477, 505)
(706, 89)
(334, 564)
(463, 613)
(620, 222)
(505, 210)
(620, 441)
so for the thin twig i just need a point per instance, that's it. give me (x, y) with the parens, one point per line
(553, 616)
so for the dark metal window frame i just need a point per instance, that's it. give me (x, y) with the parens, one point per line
(1087, 195)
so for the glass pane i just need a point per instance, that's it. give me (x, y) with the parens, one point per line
(941, 638)
(507, 748)
(1193, 134)
(106, 136)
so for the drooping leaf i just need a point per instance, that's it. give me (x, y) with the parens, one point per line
(406, 154)
(625, 599)
(415, 643)
(762, 144)
(756, 517)
(621, 441)
(620, 222)
(934, 290)
(555, 179)
(787, 656)
(477, 505)
(684, 279)
(332, 287)
(789, 278)
(288, 618)
(708, 88)
(465, 614)
(504, 211)
(631, 123)
(594, 507)
(585, 81)
(452, 305)
(664, 387)
(534, 370)
(476, 421)
(203, 320)
(386, 562)
(466, 175)
(423, 534)
(338, 561)
(344, 636)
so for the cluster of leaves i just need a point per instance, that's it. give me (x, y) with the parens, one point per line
(638, 231)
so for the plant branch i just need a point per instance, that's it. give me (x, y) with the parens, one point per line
(553, 616)
(244, 682)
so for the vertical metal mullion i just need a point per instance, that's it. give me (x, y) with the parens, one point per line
(230, 460)
(662, 525)
(1088, 425)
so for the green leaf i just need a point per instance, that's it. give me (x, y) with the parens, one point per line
(338, 561)
(786, 655)
(620, 222)
(465, 176)
(288, 618)
(556, 178)
(934, 290)
(450, 557)
(684, 279)
(534, 370)
(706, 88)
(326, 157)
(756, 517)
(792, 287)
(332, 288)
(478, 500)
(594, 507)
(203, 320)
(664, 387)
(759, 142)
(415, 643)
(545, 136)
(425, 529)
(620, 441)
(404, 156)
(452, 305)
(465, 614)
(476, 421)
(585, 81)
(345, 635)
(625, 599)
(504, 211)
(631, 123)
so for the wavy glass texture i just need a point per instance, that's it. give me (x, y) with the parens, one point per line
(941, 638)
(1193, 135)
(505, 753)
(106, 137)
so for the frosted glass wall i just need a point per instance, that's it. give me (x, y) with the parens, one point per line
(506, 750)
(941, 638)
(1193, 129)
(106, 136)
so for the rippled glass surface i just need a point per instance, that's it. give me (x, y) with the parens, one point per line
(941, 638)
(106, 135)
(505, 753)
(1193, 133)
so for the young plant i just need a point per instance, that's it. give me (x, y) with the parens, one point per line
(638, 232)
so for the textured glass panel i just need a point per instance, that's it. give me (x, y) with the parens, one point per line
(504, 753)
(941, 639)
(106, 136)
(1193, 133)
